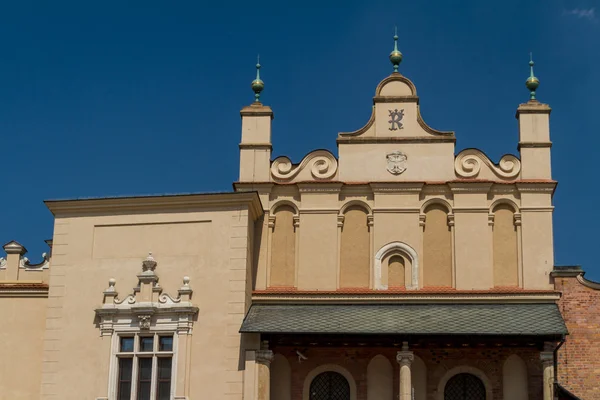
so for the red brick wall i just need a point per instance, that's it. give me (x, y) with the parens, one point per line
(579, 357)
(437, 361)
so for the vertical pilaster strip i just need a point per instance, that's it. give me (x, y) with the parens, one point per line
(547, 359)
(405, 359)
(238, 300)
(340, 226)
(371, 226)
(453, 250)
(297, 248)
(517, 218)
(264, 356)
(54, 312)
(271, 225)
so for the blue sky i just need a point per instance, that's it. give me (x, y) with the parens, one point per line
(124, 98)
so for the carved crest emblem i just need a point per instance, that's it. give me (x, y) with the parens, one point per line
(395, 118)
(396, 162)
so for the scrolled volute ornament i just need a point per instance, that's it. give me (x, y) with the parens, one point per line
(323, 165)
(467, 164)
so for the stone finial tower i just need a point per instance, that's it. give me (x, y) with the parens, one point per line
(255, 147)
(534, 133)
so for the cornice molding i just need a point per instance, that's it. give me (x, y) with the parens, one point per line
(320, 187)
(402, 187)
(402, 298)
(395, 99)
(405, 210)
(470, 187)
(376, 139)
(588, 283)
(23, 289)
(259, 187)
(533, 145)
(319, 211)
(251, 200)
(470, 209)
(533, 107)
(260, 146)
(532, 187)
(256, 109)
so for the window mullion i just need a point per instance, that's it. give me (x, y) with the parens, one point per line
(134, 375)
(153, 384)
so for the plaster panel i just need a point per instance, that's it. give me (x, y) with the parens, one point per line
(166, 239)
(256, 129)
(534, 127)
(538, 255)
(367, 162)
(409, 125)
(472, 251)
(536, 163)
(318, 252)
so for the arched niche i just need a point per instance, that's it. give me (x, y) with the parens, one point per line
(419, 378)
(355, 248)
(437, 246)
(401, 249)
(281, 378)
(283, 245)
(514, 379)
(380, 379)
(505, 245)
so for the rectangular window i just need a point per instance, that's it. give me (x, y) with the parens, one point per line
(144, 365)
(163, 389)
(125, 370)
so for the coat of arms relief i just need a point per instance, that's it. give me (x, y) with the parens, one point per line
(396, 162)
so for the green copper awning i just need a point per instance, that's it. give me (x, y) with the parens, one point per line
(407, 319)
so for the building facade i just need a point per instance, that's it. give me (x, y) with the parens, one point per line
(398, 269)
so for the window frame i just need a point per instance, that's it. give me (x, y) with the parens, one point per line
(136, 354)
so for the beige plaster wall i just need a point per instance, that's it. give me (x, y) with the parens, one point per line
(355, 249)
(211, 246)
(437, 248)
(21, 345)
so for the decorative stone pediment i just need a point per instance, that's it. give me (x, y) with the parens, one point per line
(396, 116)
(147, 305)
